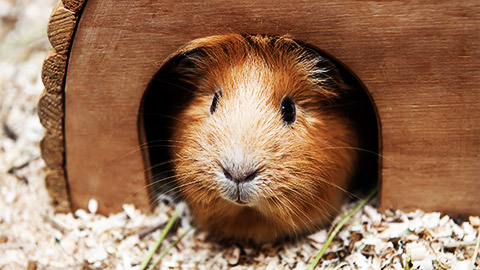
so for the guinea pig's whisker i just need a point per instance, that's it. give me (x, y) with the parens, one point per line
(308, 217)
(328, 183)
(324, 201)
(276, 203)
(356, 149)
(280, 210)
(139, 148)
(200, 196)
(153, 183)
(163, 171)
(155, 146)
(271, 194)
(165, 116)
(175, 189)
(160, 140)
(285, 209)
(301, 197)
(176, 85)
(298, 210)
(156, 181)
(171, 192)
(156, 198)
(146, 145)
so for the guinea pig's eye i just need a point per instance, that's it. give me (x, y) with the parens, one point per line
(288, 111)
(213, 107)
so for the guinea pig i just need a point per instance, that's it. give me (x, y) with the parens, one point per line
(264, 149)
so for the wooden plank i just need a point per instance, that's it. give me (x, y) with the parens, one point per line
(51, 106)
(419, 60)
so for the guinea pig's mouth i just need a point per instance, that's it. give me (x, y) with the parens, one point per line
(239, 200)
(240, 194)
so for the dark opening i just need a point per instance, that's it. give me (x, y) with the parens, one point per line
(166, 95)
(163, 99)
(364, 114)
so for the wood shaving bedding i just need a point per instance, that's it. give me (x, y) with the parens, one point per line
(32, 236)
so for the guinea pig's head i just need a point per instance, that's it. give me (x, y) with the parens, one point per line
(262, 150)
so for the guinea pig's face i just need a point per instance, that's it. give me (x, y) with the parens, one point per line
(254, 136)
(248, 130)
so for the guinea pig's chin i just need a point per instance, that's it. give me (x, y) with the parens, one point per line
(243, 194)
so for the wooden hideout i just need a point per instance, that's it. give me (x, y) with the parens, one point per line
(418, 61)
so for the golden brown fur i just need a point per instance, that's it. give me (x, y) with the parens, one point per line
(303, 168)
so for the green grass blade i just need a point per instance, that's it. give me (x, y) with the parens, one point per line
(339, 226)
(160, 240)
(165, 251)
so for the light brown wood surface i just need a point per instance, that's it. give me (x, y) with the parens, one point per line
(419, 60)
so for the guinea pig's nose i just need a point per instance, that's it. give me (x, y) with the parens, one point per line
(239, 176)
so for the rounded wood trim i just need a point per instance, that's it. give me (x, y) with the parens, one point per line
(51, 111)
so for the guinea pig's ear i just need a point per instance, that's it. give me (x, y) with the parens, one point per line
(183, 66)
(328, 72)
(174, 84)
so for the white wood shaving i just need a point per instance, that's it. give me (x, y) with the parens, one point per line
(32, 235)
(92, 206)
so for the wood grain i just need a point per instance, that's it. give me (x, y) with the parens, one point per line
(418, 60)
(51, 112)
(58, 190)
(60, 28)
(51, 105)
(52, 150)
(73, 5)
(53, 72)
